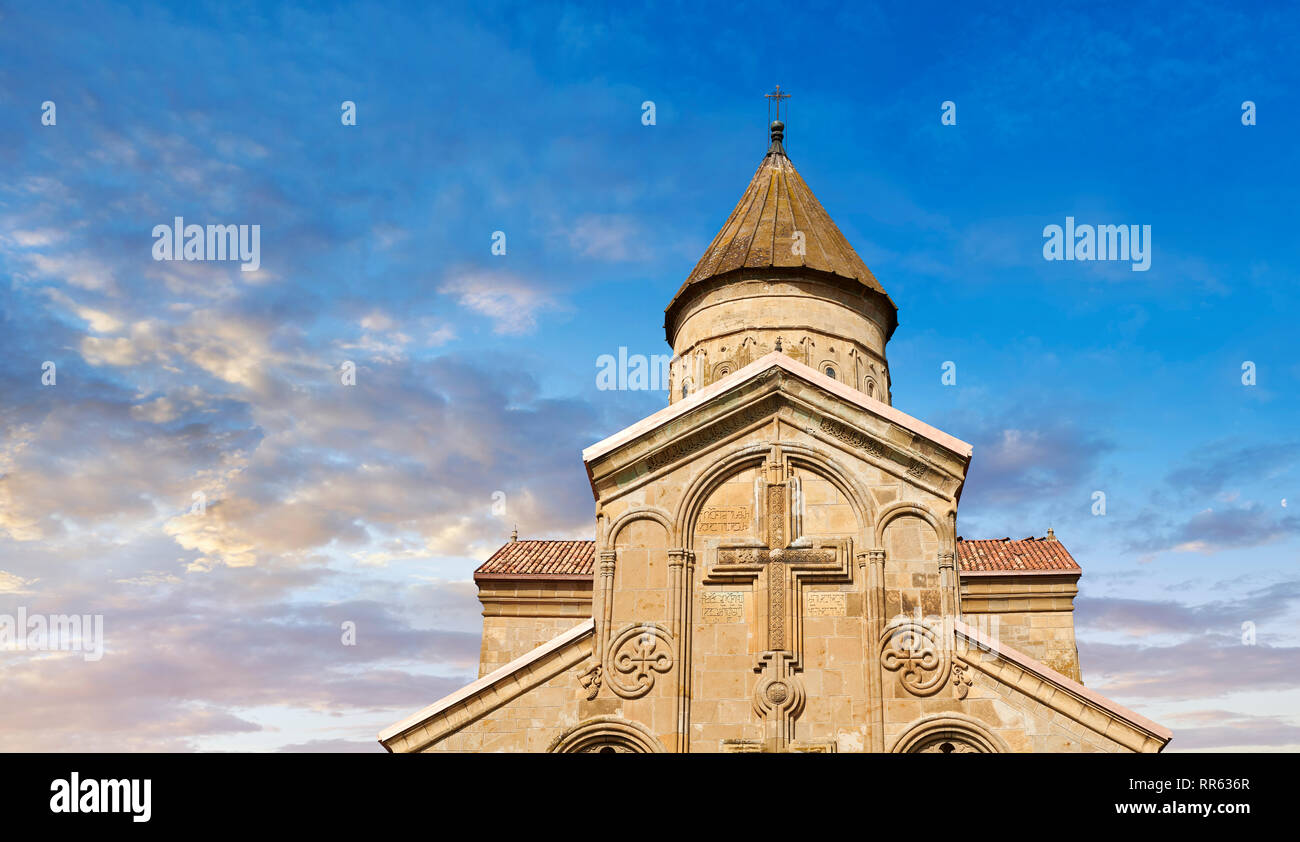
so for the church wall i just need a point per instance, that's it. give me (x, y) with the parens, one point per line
(1034, 614)
(1023, 711)
(520, 616)
(912, 592)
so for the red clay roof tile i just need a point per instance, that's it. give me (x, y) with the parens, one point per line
(1008, 556)
(540, 558)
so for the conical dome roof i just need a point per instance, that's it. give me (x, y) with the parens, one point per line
(760, 233)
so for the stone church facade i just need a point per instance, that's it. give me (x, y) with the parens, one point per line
(775, 564)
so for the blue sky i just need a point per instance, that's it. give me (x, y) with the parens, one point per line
(476, 373)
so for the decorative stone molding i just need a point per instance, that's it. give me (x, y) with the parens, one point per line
(590, 681)
(914, 651)
(961, 680)
(779, 693)
(606, 733)
(779, 697)
(635, 656)
(680, 449)
(852, 437)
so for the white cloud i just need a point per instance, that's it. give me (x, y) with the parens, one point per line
(511, 304)
(14, 584)
(157, 411)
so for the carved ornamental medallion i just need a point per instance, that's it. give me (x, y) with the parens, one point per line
(636, 655)
(912, 649)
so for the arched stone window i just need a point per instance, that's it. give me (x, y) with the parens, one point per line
(606, 735)
(944, 744)
(951, 733)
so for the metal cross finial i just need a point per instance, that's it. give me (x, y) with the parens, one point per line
(778, 96)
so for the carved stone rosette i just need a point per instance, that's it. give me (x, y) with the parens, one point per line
(635, 656)
(913, 650)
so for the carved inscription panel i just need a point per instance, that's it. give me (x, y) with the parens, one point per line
(724, 520)
(722, 606)
(825, 604)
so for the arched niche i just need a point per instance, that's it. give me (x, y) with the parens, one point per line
(913, 581)
(641, 574)
(657, 515)
(909, 509)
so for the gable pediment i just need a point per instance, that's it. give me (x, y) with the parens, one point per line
(777, 387)
(1093, 715)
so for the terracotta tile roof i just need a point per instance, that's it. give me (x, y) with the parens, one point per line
(759, 232)
(550, 559)
(554, 559)
(1030, 555)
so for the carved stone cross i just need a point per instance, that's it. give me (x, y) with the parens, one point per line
(788, 561)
